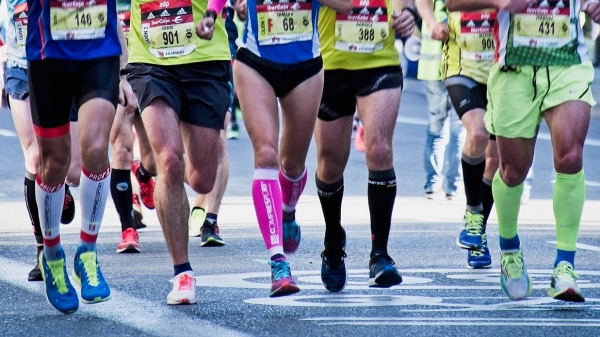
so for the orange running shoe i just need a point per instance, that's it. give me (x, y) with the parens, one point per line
(130, 242)
(146, 189)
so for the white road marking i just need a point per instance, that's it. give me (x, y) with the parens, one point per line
(156, 320)
(7, 133)
(459, 321)
(582, 246)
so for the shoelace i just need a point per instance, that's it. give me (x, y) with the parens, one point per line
(513, 264)
(186, 282)
(58, 275)
(90, 265)
(477, 253)
(130, 235)
(565, 273)
(280, 269)
(378, 257)
(474, 223)
(334, 257)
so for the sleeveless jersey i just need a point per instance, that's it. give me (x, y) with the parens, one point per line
(16, 33)
(469, 50)
(282, 31)
(163, 32)
(545, 34)
(361, 39)
(72, 29)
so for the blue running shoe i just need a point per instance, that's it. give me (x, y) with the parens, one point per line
(291, 234)
(514, 279)
(88, 275)
(281, 276)
(333, 269)
(59, 291)
(382, 273)
(480, 260)
(470, 237)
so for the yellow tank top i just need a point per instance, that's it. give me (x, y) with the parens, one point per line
(362, 39)
(469, 50)
(164, 32)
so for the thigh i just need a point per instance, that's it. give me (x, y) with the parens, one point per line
(99, 79)
(465, 94)
(150, 82)
(339, 95)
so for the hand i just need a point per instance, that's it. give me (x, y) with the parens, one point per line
(515, 6)
(403, 23)
(440, 31)
(240, 9)
(592, 9)
(126, 96)
(206, 28)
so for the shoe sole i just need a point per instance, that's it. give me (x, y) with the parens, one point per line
(286, 289)
(336, 289)
(487, 266)
(212, 242)
(129, 249)
(569, 295)
(463, 246)
(385, 280)
(182, 302)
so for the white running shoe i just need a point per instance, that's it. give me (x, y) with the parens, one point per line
(184, 289)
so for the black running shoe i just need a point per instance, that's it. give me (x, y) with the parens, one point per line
(333, 268)
(209, 235)
(68, 212)
(35, 274)
(382, 273)
(138, 220)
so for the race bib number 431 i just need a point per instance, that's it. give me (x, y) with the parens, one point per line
(78, 20)
(545, 24)
(168, 27)
(284, 22)
(363, 30)
(477, 42)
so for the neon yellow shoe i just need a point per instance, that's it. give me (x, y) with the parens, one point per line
(88, 275)
(196, 220)
(562, 284)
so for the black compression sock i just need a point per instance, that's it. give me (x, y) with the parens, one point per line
(473, 169)
(121, 192)
(382, 195)
(330, 197)
(31, 204)
(487, 200)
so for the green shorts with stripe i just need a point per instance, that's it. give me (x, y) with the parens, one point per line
(518, 97)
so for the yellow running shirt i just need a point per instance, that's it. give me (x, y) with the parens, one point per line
(362, 39)
(469, 50)
(164, 32)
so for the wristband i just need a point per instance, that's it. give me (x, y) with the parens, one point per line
(413, 11)
(211, 14)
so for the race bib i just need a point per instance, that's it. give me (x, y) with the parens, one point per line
(363, 30)
(168, 27)
(21, 18)
(545, 24)
(78, 20)
(476, 39)
(282, 22)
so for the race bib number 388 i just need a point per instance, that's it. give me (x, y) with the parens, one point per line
(477, 42)
(364, 29)
(282, 22)
(545, 24)
(78, 20)
(168, 27)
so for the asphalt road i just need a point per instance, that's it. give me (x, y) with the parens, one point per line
(439, 295)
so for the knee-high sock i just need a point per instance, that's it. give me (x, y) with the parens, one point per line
(568, 199)
(50, 201)
(266, 195)
(381, 194)
(508, 204)
(473, 169)
(32, 209)
(487, 200)
(291, 190)
(93, 190)
(330, 197)
(121, 192)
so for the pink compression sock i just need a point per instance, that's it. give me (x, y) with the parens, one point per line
(266, 194)
(291, 190)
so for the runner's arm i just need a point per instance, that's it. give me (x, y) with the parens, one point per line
(404, 16)
(340, 6)
(124, 52)
(126, 96)
(425, 9)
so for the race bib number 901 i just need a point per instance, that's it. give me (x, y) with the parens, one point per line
(168, 27)
(78, 20)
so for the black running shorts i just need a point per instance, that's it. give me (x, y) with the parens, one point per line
(466, 94)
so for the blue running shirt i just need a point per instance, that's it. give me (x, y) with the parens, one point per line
(72, 29)
(282, 31)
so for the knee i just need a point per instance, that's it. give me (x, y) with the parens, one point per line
(94, 156)
(513, 176)
(266, 156)
(53, 169)
(379, 153)
(570, 162)
(122, 157)
(200, 183)
(479, 136)
(170, 166)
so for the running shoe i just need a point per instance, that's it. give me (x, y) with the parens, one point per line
(88, 275)
(382, 273)
(130, 241)
(146, 189)
(233, 131)
(196, 220)
(36, 274)
(471, 237)
(562, 284)
(359, 140)
(59, 291)
(291, 234)
(281, 277)
(333, 268)
(138, 219)
(480, 260)
(68, 212)
(514, 280)
(209, 236)
(184, 289)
